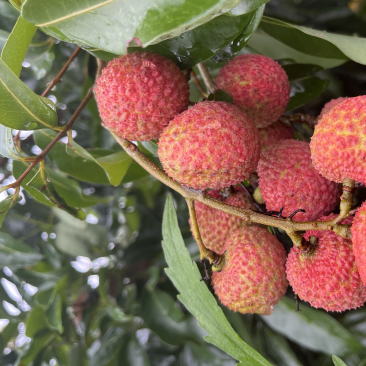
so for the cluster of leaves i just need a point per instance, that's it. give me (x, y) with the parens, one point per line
(83, 278)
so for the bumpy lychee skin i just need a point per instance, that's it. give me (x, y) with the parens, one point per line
(338, 146)
(358, 230)
(328, 277)
(330, 105)
(257, 84)
(253, 278)
(211, 145)
(288, 179)
(273, 133)
(139, 94)
(214, 225)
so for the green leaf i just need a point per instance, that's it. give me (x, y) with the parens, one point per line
(20, 108)
(36, 322)
(316, 43)
(116, 22)
(312, 329)
(148, 147)
(17, 44)
(7, 146)
(264, 44)
(304, 90)
(337, 361)
(201, 43)
(97, 166)
(220, 95)
(54, 314)
(242, 39)
(3, 38)
(195, 295)
(7, 334)
(6, 205)
(132, 353)
(300, 71)
(15, 254)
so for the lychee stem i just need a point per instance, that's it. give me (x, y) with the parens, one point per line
(291, 227)
(203, 93)
(298, 118)
(205, 252)
(346, 199)
(207, 78)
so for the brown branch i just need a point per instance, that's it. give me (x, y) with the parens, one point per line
(203, 93)
(58, 137)
(207, 78)
(57, 79)
(246, 214)
(299, 118)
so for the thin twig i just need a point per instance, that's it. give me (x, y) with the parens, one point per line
(57, 79)
(207, 78)
(298, 118)
(203, 93)
(58, 137)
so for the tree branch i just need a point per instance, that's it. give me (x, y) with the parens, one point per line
(57, 79)
(206, 77)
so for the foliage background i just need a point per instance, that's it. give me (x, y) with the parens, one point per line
(95, 292)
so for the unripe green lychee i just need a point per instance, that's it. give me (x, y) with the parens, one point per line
(139, 94)
(288, 179)
(330, 105)
(211, 145)
(214, 225)
(273, 133)
(358, 230)
(257, 84)
(253, 278)
(327, 277)
(338, 146)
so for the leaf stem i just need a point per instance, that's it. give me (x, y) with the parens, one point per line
(57, 79)
(203, 93)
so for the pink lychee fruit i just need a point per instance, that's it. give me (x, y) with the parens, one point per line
(330, 105)
(358, 230)
(139, 94)
(288, 179)
(327, 277)
(211, 145)
(214, 225)
(253, 277)
(257, 84)
(273, 133)
(338, 146)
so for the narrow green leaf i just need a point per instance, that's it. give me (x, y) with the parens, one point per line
(313, 329)
(54, 314)
(17, 44)
(337, 361)
(220, 95)
(20, 108)
(3, 38)
(316, 43)
(300, 71)
(15, 254)
(132, 353)
(6, 205)
(195, 295)
(149, 147)
(116, 23)
(8, 333)
(7, 146)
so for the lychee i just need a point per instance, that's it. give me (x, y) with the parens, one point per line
(338, 146)
(211, 145)
(358, 230)
(257, 84)
(139, 94)
(288, 179)
(253, 278)
(330, 105)
(273, 133)
(215, 225)
(327, 277)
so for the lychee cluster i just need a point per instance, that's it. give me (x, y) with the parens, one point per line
(216, 145)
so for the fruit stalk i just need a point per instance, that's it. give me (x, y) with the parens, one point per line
(206, 77)
(288, 225)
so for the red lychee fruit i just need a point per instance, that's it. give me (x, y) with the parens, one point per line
(273, 133)
(330, 105)
(288, 179)
(338, 146)
(358, 230)
(327, 277)
(214, 225)
(257, 84)
(253, 278)
(211, 145)
(139, 94)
